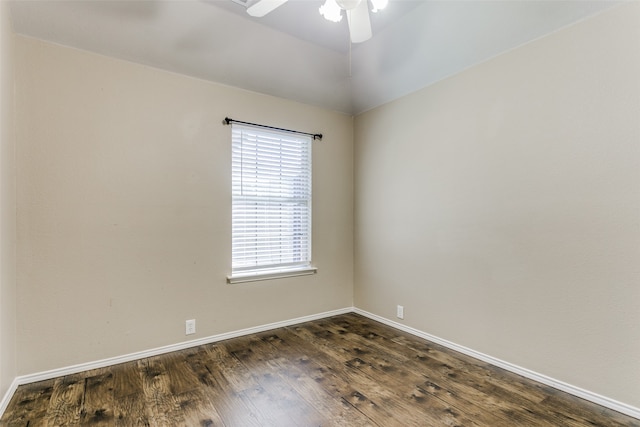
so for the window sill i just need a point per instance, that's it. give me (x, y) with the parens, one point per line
(257, 276)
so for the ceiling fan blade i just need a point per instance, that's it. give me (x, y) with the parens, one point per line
(262, 7)
(359, 23)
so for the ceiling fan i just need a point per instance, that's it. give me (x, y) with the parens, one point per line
(357, 12)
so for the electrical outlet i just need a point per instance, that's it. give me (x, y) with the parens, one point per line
(190, 327)
(400, 312)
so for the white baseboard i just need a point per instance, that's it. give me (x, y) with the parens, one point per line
(560, 385)
(7, 396)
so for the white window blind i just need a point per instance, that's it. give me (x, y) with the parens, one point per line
(271, 209)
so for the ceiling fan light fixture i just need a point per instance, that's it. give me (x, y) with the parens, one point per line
(331, 11)
(349, 4)
(379, 5)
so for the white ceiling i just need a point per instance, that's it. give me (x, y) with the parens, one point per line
(293, 52)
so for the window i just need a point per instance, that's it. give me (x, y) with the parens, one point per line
(271, 208)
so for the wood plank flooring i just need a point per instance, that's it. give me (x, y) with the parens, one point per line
(342, 371)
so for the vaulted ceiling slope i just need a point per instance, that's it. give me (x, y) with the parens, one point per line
(293, 52)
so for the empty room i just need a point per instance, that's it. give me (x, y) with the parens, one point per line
(320, 213)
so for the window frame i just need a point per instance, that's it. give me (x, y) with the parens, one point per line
(254, 199)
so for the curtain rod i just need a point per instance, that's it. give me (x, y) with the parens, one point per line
(315, 136)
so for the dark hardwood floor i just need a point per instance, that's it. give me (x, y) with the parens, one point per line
(342, 371)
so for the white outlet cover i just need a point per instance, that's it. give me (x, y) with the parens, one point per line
(190, 327)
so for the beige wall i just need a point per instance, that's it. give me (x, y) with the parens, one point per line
(7, 207)
(501, 207)
(124, 210)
